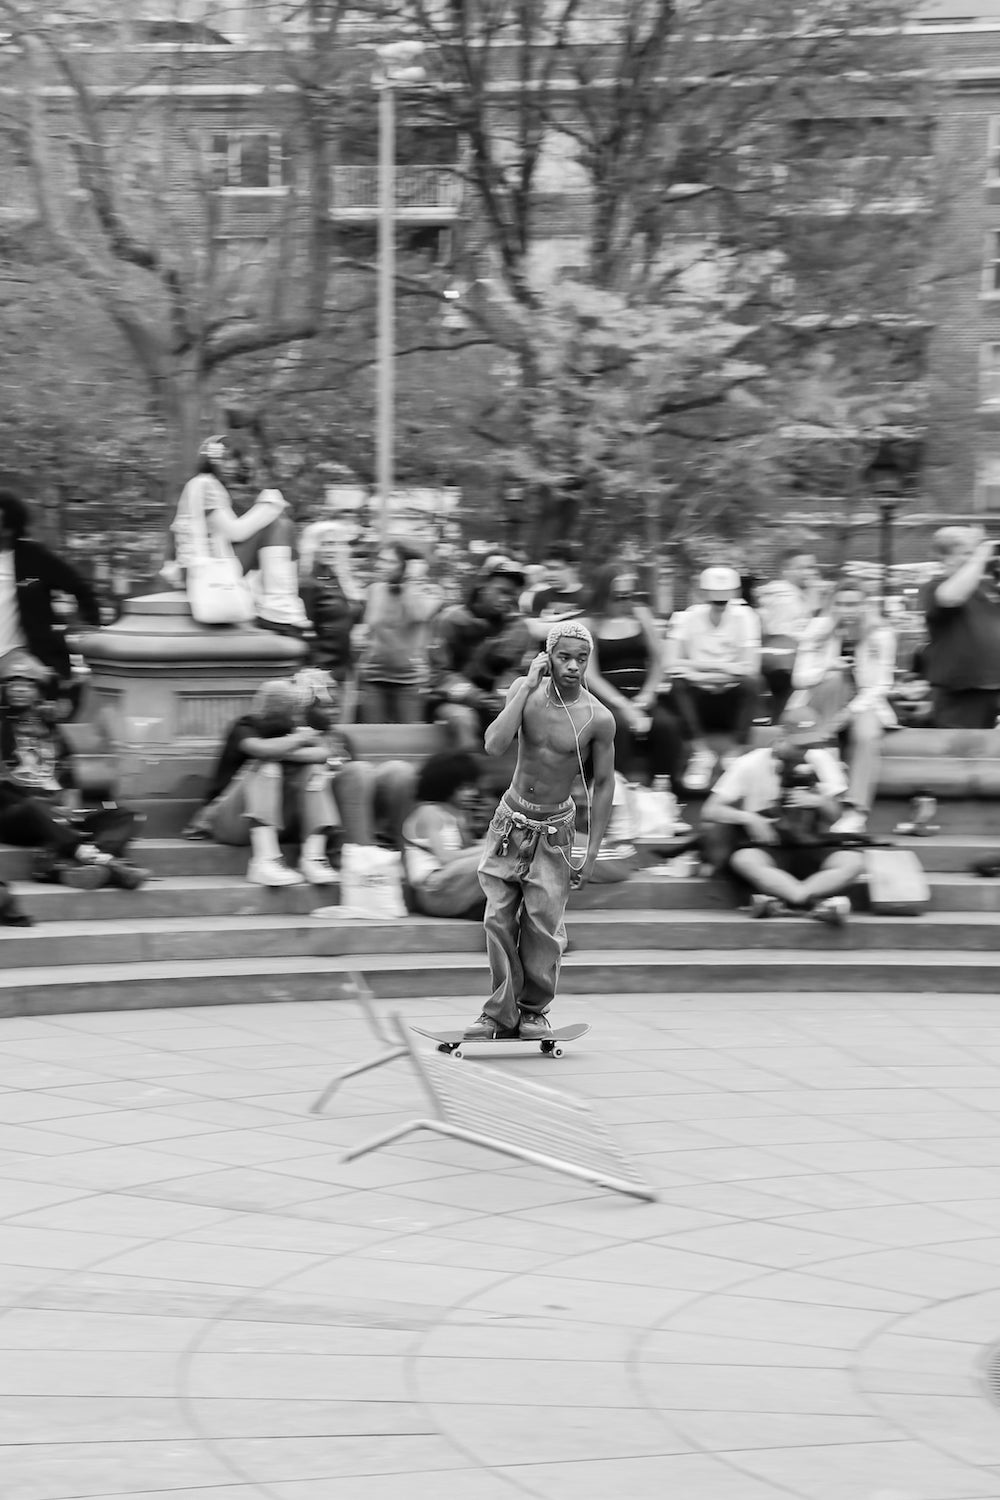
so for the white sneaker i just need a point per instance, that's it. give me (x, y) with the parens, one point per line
(272, 872)
(317, 870)
(834, 911)
(853, 821)
(698, 776)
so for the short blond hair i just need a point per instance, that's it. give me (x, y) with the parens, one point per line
(573, 630)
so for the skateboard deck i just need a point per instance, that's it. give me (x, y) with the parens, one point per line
(452, 1042)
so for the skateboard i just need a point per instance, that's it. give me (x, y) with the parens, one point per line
(453, 1042)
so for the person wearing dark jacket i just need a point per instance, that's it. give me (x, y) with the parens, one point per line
(30, 575)
(476, 652)
(82, 849)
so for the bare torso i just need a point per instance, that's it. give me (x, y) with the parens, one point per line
(552, 744)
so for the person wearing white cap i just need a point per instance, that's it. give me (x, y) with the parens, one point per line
(716, 669)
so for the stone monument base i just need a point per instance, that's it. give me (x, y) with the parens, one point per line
(164, 690)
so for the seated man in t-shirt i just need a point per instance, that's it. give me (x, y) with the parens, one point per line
(768, 821)
(962, 608)
(561, 596)
(714, 658)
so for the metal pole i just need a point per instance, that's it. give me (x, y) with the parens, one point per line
(888, 509)
(385, 393)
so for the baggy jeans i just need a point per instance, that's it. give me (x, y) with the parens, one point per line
(525, 875)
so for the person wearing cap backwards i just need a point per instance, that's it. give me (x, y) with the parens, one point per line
(768, 821)
(526, 869)
(29, 576)
(84, 850)
(475, 652)
(716, 669)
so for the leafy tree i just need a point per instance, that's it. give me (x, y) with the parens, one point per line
(670, 207)
(117, 174)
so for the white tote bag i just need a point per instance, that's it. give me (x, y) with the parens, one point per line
(371, 883)
(217, 592)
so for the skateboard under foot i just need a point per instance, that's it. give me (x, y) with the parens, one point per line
(452, 1043)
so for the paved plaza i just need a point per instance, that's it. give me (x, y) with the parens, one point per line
(202, 1301)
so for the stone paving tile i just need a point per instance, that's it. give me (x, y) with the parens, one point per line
(846, 1471)
(689, 1475)
(203, 1279)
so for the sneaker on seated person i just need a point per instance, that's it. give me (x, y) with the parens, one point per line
(852, 821)
(700, 769)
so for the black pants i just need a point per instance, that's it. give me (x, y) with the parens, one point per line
(965, 708)
(661, 752)
(33, 824)
(730, 711)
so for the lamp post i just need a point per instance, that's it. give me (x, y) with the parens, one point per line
(397, 64)
(885, 480)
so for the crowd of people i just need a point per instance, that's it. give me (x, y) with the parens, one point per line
(393, 635)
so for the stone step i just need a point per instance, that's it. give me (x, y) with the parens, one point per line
(99, 987)
(274, 936)
(165, 817)
(178, 896)
(179, 857)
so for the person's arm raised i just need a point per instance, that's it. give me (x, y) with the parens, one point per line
(504, 730)
(960, 587)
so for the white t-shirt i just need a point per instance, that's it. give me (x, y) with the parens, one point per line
(11, 634)
(753, 783)
(732, 645)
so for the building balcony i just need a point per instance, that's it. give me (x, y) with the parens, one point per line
(424, 195)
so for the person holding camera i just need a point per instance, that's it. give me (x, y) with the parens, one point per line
(768, 822)
(962, 609)
(845, 667)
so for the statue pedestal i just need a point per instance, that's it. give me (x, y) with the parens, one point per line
(165, 690)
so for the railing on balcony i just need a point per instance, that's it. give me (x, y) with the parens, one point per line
(430, 194)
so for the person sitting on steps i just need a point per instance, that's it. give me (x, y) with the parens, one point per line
(714, 657)
(440, 854)
(286, 771)
(83, 849)
(844, 668)
(768, 821)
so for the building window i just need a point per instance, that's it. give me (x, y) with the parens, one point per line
(988, 485)
(254, 161)
(991, 265)
(989, 375)
(993, 152)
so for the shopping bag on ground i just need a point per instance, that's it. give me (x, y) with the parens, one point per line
(897, 883)
(371, 883)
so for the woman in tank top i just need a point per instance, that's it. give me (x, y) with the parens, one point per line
(625, 673)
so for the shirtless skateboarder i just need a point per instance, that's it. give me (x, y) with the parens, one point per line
(526, 870)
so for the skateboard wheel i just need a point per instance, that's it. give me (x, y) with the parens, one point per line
(557, 1052)
(547, 1048)
(457, 1052)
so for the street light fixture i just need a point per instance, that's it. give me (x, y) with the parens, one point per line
(398, 65)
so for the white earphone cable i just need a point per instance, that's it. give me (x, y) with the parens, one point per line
(579, 754)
